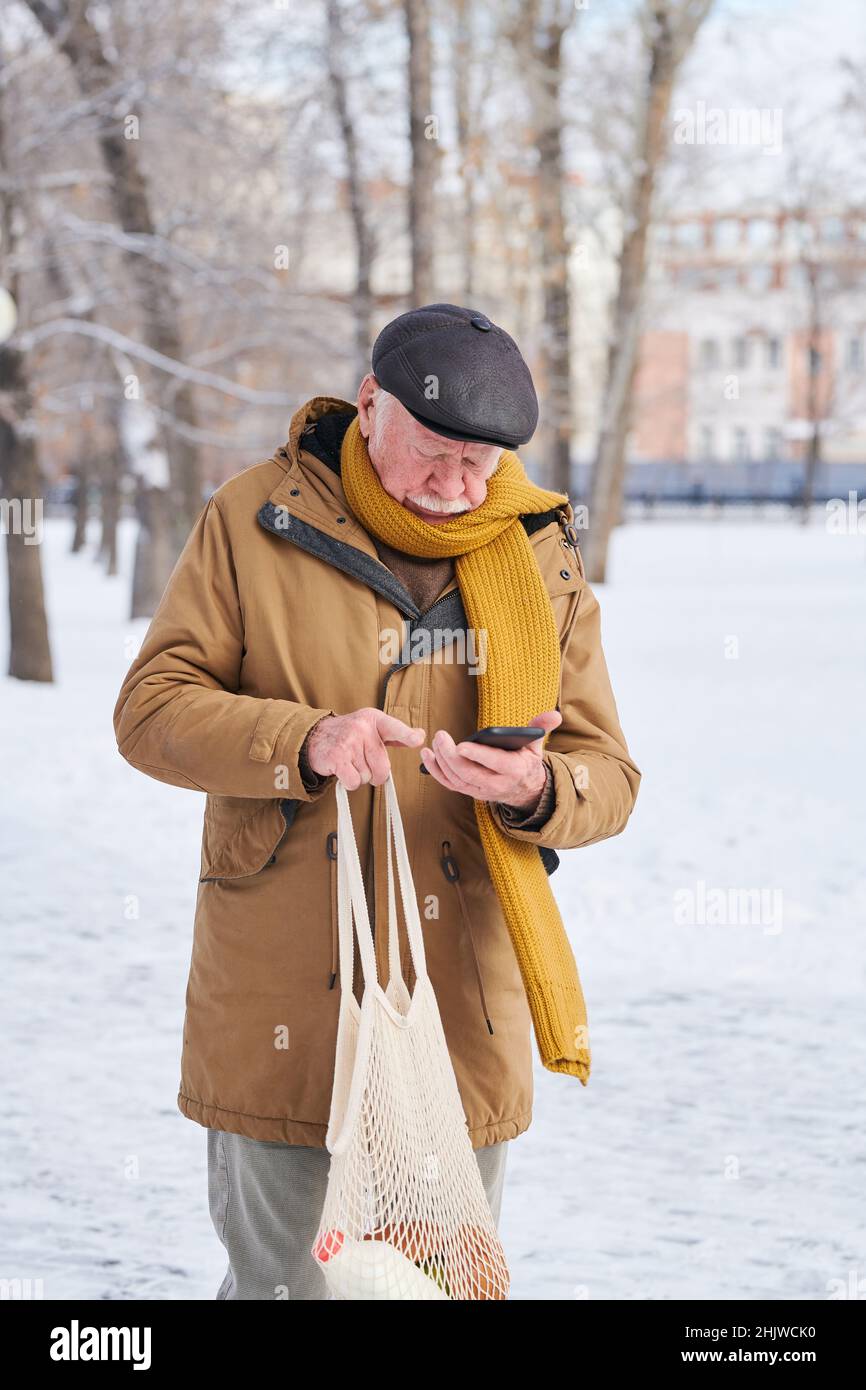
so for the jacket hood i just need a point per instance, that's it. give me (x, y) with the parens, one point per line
(305, 417)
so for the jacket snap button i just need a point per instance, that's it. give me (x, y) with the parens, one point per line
(565, 574)
(341, 519)
(295, 491)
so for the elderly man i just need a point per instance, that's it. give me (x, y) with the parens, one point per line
(355, 607)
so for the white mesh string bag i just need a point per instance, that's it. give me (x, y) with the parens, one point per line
(405, 1213)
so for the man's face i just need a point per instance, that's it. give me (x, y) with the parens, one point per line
(434, 477)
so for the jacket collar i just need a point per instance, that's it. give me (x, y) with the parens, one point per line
(309, 507)
(310, 490)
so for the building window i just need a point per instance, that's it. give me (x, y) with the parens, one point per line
(813, 361)
(831, 277)
(726, 233)
(709, 354)
(728, 277)
(740, 355)
(708, 444)
(689, 277)
(761, 232)
(855, 355)
(832, 229)
(804, 232)
(760, 278)
(797, 276)
(772, 444)
(774, 352)
(690, 234)
(741, 445)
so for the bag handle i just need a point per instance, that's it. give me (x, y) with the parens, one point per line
(351, 902)
(411, 916)
(352, 899)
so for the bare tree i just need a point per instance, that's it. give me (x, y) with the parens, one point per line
(100, 79)
(58, 277)
(829, 273)
(815, 405)
(669, 29)
(362, 296)
(537, 32)
(29, 646)
(474, 78)
(424, 149)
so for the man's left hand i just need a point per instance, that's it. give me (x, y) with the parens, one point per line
(514, 778)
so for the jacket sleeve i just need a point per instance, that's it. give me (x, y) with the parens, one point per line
(534, 820)
(595, 779)
(179, 717)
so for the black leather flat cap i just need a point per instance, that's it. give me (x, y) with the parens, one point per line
(459, 374)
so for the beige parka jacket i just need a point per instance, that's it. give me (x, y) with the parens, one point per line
(277, 613)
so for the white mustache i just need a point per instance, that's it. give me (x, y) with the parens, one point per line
(436, 504)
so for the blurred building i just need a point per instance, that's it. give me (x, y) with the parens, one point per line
(755, 333)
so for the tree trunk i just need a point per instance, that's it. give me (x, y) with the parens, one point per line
(813, 461)
(29, 646)
(109, 511)
(467, 136)
(671, 30)
(362, 298)
(424, 153)
(152, 551)
(556, 305)
(813, 399)
(538, 34)
(82, 491)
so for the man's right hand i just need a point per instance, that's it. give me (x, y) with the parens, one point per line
(352, 746)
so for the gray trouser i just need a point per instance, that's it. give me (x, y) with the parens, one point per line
(265, 1201)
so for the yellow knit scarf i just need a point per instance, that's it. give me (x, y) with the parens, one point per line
(503, 593)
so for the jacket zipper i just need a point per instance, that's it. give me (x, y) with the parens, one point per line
(399, 666)
(452, 872)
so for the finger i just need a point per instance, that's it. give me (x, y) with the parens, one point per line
(393, 730)
(547, 719)
(354, 771)
(377, 760)
(435, 768)
(443, 746)
(457, 765)
(470, 777)
(494, 759)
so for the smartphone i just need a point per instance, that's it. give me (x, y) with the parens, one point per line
(510, 737)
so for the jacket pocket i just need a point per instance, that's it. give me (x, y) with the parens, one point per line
(241, 835)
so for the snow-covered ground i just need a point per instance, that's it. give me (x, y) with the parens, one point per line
(718, 1150)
